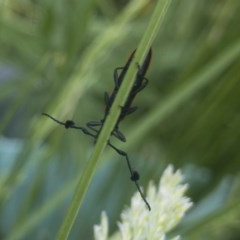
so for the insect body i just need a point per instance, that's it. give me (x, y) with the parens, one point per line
(139, 84)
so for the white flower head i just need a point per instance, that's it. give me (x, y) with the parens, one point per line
(168, 206)
(101, 231)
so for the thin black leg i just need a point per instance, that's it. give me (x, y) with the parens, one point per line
(134, 174)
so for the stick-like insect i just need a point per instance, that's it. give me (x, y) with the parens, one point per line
(139, 84)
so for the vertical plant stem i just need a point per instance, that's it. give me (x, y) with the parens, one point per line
(111, 120)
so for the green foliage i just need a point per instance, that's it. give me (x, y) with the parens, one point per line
(58, 57)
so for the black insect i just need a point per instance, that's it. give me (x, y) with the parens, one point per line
(139, 84)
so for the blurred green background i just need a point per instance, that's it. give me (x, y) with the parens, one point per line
(59, 56)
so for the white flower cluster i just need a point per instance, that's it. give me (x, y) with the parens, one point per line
(168, 207)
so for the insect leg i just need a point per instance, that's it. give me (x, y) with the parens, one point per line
(116, 76)
(107, 100)
(93, 124)
(130, 110)
(134, 174)
(70, 124)
(67, 124)
(142, 195)
(119, 135)
(144, 84)
(124, 154)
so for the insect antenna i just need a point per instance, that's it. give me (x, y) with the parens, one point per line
(70, 124)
